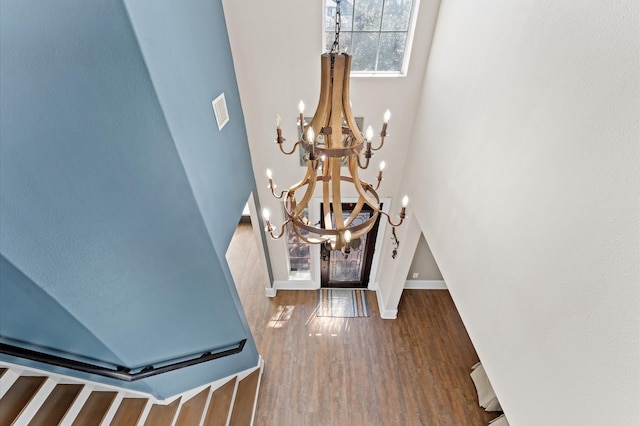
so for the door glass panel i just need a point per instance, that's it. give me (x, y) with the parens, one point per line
(349, 269)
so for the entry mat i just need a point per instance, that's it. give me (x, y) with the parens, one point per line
(342, 303)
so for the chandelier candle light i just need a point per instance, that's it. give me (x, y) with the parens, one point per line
(340, 141)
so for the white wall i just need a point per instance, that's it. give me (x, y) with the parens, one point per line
(524, 176)
(423, 263)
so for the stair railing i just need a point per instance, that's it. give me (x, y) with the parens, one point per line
(124, 373)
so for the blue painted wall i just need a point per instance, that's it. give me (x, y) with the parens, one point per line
(119, 195)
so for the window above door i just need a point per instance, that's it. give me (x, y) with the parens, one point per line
(377, 33)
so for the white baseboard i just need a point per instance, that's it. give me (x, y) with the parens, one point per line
(294, 285)
(385, 313)
(425, 285)
(270, 292)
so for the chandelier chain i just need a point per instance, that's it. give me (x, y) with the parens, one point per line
(336, 41)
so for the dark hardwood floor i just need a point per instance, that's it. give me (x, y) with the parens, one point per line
(356, 371)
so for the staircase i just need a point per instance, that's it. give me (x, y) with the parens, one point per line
(37, 398)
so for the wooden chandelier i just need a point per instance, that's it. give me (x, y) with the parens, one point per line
(341, 141)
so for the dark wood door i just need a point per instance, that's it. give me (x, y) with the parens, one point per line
(336, 271)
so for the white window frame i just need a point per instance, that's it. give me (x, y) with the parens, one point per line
(408, 48)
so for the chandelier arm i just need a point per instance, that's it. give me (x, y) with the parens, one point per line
(379, 146)
(383, 134)
(292, 149)
(379, 180)
(390, 221)
(271, 228)
(360, 164)
(273, 192)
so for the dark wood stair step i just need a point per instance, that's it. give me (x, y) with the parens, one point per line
(245, 397)
(2, 371)
(192, 410)
(129, 411)
(56, 405)
(94, 408)
(162, 415)
(18, 396)
(218, 410)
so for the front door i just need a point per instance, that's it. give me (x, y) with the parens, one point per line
(351, 272)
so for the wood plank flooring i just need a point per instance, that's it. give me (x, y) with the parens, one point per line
(356, 371)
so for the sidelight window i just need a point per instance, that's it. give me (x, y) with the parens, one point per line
(298, 253)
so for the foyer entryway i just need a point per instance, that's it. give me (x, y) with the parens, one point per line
(318, 369)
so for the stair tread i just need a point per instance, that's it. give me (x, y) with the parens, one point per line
(245, 398)
(220, 404)
(129, 411)
(94, 408)
(192, 410)
(56, 405)
(162, 415)
(2, 371)
(18, 396)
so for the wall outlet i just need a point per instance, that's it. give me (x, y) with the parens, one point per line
(415, 275)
